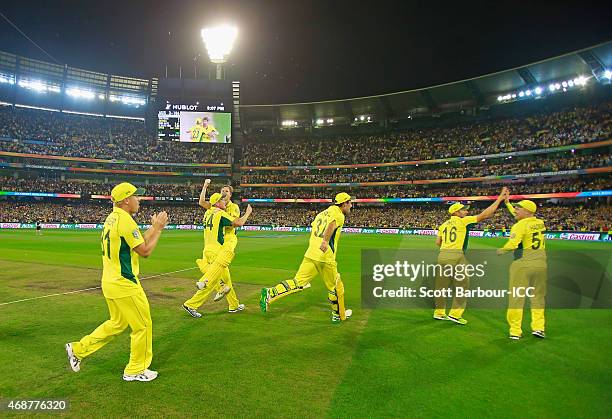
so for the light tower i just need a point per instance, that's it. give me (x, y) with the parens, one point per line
(219, 41)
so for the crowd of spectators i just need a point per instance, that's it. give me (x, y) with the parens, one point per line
(96, 137)
(191, 191)
(569, 126)
(455, 171)
(530, 186)
(579, 217)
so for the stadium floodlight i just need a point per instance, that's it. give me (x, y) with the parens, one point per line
(608, 74)
(538, 90)
(500, 98)
(219, 41)
(362, 118)
(319, 121)
(521, 93)
(80, 93)
(330, 120)
(551, 87)
(528, 92)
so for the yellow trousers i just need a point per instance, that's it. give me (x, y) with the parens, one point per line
(130, 311)
(521, 277)
(309, 269)
(226, 279)
(451, 257)
(215, 267)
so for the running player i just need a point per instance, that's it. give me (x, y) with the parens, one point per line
(320, 258)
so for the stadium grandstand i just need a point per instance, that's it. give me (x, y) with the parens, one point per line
(67, 135)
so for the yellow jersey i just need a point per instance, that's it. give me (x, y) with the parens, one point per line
(230, 231)
(206, 131)
(196, 133)
(215, 222)
(119, 261)
(527, 240)
(455, 232)
(319, 225)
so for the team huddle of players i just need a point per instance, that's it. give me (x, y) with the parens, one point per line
(203, 131)
(122, 244)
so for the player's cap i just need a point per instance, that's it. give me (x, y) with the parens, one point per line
(125, 190)
(341, 198)
(214, 198)
(528, 205)
(456, 207)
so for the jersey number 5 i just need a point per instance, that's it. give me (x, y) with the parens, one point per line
(536, 242)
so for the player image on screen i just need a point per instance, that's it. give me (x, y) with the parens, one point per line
(201, 127)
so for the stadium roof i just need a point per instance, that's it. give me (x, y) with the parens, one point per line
(450, 97)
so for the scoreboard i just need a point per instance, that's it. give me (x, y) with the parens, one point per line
(195, 111)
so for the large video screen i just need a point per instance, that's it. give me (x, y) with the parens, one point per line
(188, 124)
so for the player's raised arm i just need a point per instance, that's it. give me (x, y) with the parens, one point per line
(151, 236)
(239, 222)
(327, 235)
(203, 202)
(509, 205)
(490, 210)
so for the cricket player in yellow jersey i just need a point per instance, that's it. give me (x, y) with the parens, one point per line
(196, 131)
(224, 290)
(452, 239)
(218, 253)
(209, 132)
(528, 271)
(320, 258)
(122, 244)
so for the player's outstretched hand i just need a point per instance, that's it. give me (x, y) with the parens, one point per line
(248, 210)
(160, 220)
(206, 182)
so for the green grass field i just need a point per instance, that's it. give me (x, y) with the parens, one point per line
(292, 362)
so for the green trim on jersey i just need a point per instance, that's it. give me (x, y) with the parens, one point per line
(223, 222)
(332, 240)
(125, 260)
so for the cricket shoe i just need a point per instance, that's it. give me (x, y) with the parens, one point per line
(75, 363)
(192, 312)
(539, 334)
(440, 317)
(458, 320)
(515, 337)
(240, 307)
(264, 300)
(146, 375)
(347, 314)
(222, 293)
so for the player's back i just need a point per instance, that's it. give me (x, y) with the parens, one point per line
(215, 221)
(319, 225)
(532, 248)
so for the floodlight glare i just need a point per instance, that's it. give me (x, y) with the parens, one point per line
(538, 90)
(500, 98)
(608, 74)
(219, 41)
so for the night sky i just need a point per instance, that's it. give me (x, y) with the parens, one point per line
(293, 51)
